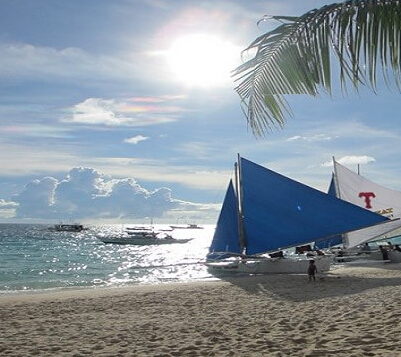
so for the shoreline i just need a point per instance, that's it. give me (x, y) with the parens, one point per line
(93, 291)
(347, 270)
(76, 291)
(349, 311)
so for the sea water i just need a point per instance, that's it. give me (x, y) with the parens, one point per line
(35, 258)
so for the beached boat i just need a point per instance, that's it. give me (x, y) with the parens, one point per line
(267, 213)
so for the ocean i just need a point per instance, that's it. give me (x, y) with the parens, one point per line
(34, 258)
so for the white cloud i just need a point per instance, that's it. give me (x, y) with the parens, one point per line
(7, 209)
(316, 137)
(7, 204)
(136, 139)
(86, 194)
(36, 199)
(98, 111)
(350, 160)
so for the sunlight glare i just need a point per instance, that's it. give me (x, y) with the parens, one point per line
(202, 60)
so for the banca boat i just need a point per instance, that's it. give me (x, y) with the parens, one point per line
(266, 213)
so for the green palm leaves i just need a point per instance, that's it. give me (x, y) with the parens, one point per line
(296, 57)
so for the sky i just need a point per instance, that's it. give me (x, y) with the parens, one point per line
(125, 111)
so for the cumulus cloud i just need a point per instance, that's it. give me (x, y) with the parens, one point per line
(7, 208)
(36, 199)
(7, 204)
(87, 194)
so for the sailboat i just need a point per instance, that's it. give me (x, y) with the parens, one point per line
(264, 213)
(358, 190)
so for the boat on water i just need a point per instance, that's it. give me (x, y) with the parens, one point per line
(267, 213)
(187, 226)
(67, 227)
(142, 237)
(149, 229)
(139, 228)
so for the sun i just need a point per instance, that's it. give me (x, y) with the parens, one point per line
(202, 60)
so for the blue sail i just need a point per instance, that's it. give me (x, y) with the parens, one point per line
(331, 241)
(332, 188)
(226, 235)
(279, 212)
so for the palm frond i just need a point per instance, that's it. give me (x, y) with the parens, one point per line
(296, 57)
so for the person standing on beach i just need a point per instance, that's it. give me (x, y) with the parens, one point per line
(384, 252)
(312, 270)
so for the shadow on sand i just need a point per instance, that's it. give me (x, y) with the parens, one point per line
(341, 281)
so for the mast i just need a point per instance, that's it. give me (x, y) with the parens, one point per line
(238, 186)
(336, 184)
(344, 236)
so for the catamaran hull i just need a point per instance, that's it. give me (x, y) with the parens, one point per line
(270, 265)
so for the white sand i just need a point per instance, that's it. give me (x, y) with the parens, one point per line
(351, 311)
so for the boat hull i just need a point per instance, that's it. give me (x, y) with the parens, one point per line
(142, 240)
(288, 265)
(394, 256)
(188, 226)
(67, 228)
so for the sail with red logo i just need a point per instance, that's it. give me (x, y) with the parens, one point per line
(356, 189)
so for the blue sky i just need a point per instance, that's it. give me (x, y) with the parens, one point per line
(109, 113)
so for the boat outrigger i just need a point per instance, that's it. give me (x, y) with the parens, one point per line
(267, 213)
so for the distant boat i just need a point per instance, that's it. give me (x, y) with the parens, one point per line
(141, 237)
(266, 213)
(139, 228)
(186, 226)
(64, 227)
(135, 229)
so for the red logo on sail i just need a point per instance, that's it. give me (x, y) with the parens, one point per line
(368, 198)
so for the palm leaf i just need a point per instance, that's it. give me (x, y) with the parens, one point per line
(296, 57)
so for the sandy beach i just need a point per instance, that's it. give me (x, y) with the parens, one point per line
(350, 311)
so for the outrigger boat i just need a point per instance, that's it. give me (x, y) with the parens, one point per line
(266, 214)
(63, 227)
(141, 237)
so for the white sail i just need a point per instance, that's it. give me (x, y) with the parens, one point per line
(362, 192)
